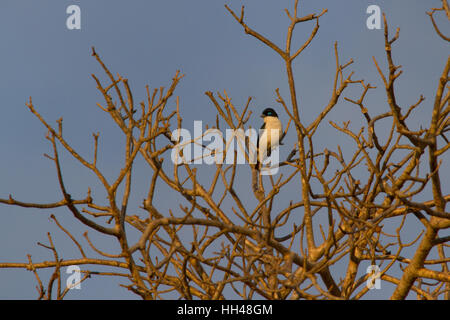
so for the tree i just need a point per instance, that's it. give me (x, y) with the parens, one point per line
(217, 243)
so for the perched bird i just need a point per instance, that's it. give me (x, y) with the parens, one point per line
(270, 130)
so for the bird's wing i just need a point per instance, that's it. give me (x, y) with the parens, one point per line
(257, 140)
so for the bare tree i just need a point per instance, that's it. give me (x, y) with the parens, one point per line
(216, 243)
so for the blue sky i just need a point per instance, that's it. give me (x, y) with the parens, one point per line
(146, 42)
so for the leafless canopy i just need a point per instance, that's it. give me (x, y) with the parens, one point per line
(219, 242)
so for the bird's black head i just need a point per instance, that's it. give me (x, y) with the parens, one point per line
(269, 112)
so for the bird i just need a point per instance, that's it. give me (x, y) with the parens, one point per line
(265, 145)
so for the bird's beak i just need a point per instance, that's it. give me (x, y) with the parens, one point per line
(262, 116)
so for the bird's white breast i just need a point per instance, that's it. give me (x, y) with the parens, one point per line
(273, 122)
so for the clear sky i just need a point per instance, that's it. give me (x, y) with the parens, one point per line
(146, 42)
